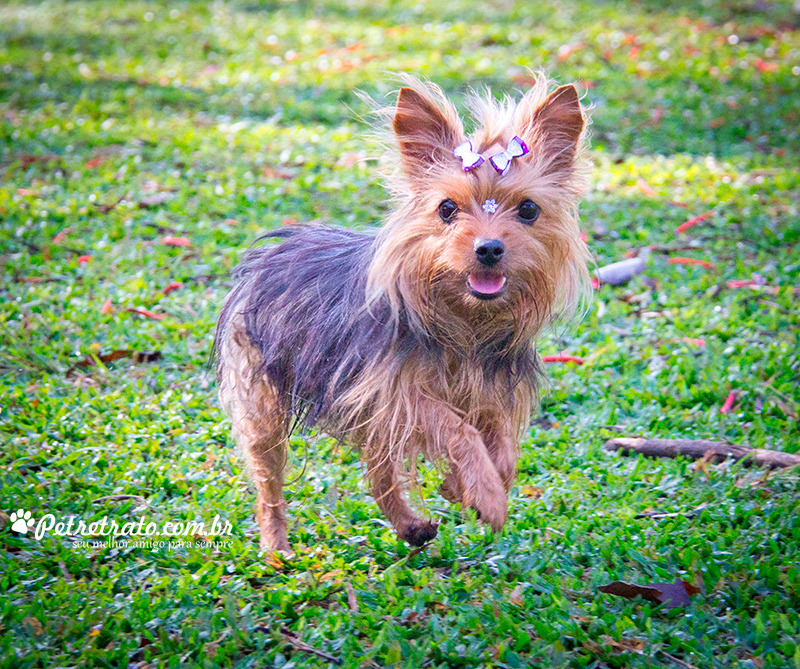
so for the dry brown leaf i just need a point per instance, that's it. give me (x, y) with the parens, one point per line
(672, 595)
(34, 624)
(532, 492)
(137, 356)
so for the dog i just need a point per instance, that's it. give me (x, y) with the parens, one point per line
(420, 339)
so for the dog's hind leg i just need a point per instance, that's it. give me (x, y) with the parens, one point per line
(261, 429)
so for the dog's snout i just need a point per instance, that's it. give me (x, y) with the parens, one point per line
(489, 251)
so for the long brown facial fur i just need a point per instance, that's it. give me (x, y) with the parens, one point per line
(420, 339)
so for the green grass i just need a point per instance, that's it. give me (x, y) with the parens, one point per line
(245, 115)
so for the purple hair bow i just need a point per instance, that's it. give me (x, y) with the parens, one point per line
(470, 158)
(502, 161)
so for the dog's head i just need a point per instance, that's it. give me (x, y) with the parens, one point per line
(485, 238)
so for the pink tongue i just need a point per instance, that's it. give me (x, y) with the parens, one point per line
(487, 283)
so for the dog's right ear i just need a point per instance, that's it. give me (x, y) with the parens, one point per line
(553, 129)
(427, 130)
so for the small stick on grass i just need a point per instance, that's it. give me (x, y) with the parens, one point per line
(714, 451)
(352, 602)
(303, 647)
(119, 498)
(677, 660)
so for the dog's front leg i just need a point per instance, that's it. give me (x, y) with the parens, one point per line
(388, 493)
(503, 450)
(474, 476)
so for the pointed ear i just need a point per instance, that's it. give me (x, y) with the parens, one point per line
(425, 132)
(555, 127)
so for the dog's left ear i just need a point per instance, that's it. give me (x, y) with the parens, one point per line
(554, 128)
(427, 130)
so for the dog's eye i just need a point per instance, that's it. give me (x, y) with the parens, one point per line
(448, 210)
(528, 211)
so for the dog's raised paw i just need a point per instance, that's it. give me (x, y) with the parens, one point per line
(419, 534)
(492, 511)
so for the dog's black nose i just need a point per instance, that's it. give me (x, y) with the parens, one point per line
(489, 251)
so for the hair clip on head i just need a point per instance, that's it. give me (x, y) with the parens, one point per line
(470, 158)
(502, 161)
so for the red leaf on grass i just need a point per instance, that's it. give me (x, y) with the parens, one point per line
(566, 50)
(672, 595)
(563, 357)
(683, 227)
(730, 400)
(763, 66)
(696, 342)
(172, 286)
(107, 308)
(60, 236)
(645, 188)
(690, 261)
(94, 162)
(176, 241)
(86, 258)
(745, 283)
(146, 313)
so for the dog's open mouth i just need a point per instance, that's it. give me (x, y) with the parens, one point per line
(486, 285)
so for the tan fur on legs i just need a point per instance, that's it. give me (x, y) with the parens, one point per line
(260, 427)
(449, 489)
(503, 452)
(476, 478)
(389, 497)
(500, 437)
(481, 485)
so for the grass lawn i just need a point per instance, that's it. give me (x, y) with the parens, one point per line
(122, 123)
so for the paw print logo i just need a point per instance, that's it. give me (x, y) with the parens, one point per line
(20, 520)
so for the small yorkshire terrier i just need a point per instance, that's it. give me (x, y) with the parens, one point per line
(421, 338)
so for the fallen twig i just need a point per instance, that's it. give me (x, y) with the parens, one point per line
(107, 208)
(714, 451)
(162, 229)
(677, 660)
(291, 637)
(655, 515)
(352, 602)
(119, 498)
